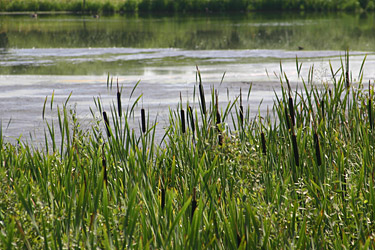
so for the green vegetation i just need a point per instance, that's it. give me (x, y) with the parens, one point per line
(299, 177)
(183, 5)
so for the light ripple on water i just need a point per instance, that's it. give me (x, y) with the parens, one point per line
(16, 57)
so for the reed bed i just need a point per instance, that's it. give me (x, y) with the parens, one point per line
(300, 176)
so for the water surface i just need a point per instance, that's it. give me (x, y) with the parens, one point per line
(73, 54)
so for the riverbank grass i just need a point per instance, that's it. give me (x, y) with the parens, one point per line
(207, 6)
(300, 176)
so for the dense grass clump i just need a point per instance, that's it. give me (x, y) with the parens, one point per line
(183, 5)
(299, 177)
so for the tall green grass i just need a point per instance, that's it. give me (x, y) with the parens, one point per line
(300, 176)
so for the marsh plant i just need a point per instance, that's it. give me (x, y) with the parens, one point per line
(300, 176)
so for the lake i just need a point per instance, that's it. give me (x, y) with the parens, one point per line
(65, 54)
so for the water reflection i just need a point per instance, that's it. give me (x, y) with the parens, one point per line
(244, 31)
(121, 44)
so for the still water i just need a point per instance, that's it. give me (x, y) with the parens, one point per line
(65, 54)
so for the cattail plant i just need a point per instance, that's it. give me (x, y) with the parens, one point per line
(106, 121)
(192, 124)
(218, 119)
(287, 119)
(193, 204)
(369, 106)
(317, 149)
(119, 108)
(347, 82)
(143, 120)
(316, 140)
(291, 110)
(239, 239)
(182, 114)
(201, 93)
(290, 102)
(104, 164)
(295, 148)
(264, 149)
(162, 191)
(183, 129)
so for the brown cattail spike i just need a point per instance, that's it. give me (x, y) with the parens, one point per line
(218, 118)
(218, 121)
(317, 149)
(291, 110)
(106, 121)
(295, 149)
(343, 184)
(183, 121)
(193, 205)
(119, 108)
(264, 150)
(191, 119)
(143, 120)
(162, 197)
(287, 118)
(239, 239)
(347, 70)
(203, 100)
(104, 163)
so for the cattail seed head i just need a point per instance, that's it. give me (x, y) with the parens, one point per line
(295, 149)
(106, 121)
(104, 163)
(291, 111)
(162, 198)
(203, 100)
(317, 149)
(241, 108)
(143, 120)
(238, 239)
(191, 119)
(193, 205)
(119, 108)
(183, 121)
(287, 118)
(264, 150)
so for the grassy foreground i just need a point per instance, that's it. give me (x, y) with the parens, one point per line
(299, 177)
(183, 5)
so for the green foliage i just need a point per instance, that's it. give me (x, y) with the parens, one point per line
(129, 6)
(184, 5)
